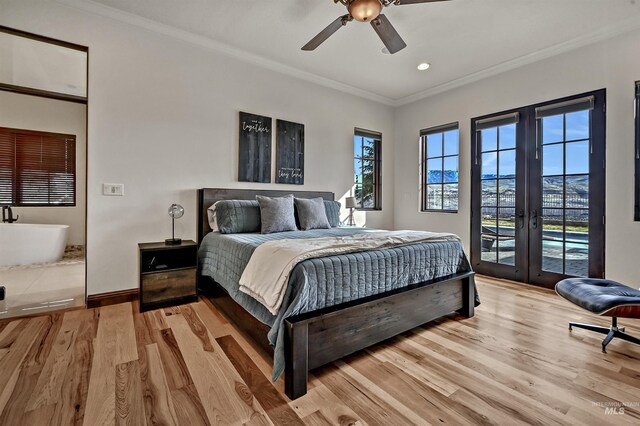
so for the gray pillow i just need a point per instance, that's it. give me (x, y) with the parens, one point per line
(332, 208)
(277, 214)
(312, 214)
(237, 216)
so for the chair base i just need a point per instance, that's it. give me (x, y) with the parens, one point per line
(611, 332)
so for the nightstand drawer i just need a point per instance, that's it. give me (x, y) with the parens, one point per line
(162, 286)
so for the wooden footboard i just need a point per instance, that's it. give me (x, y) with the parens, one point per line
(320, 337)
(317, 338)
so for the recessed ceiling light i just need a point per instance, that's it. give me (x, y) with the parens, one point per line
(423, 66)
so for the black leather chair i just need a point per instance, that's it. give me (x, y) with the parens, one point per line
(605, 298)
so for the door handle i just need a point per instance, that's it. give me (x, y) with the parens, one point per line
(521, 217)
(534, 219)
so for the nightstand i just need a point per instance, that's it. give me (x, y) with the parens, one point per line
(167, 274)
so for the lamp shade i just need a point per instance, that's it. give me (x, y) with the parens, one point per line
(350, 203)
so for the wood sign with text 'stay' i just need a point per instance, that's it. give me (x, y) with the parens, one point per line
(289, 152)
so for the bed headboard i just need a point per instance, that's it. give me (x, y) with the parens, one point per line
(208, 196)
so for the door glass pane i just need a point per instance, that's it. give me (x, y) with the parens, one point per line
(489, 139)
(577, 157)
(577, 221)
(489, 220)
(507, 191)
(576, 261)
(451, 142)
(489, 248)
(552, 129)
(508, 136)
(553, 159)
(577, 192)
(451, 169)
(434, 145)
(434, 197)
(552, 252)
(577, 125)
(434, 170)
(507, 251)
(507, 163)
(450, 196)
(552, 224)
(490, 192)
(489, 165)
(552, 191)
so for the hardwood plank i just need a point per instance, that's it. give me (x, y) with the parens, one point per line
(322, 400)
(12, 364)
(224, 396)
(49, 387)
(188, 406)
(159, 407)
(129, 408)
(178, 375)
(114, 344)
(273, 402)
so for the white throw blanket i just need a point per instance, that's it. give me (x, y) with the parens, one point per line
(266, 276)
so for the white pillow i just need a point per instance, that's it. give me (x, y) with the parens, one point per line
(211, 214)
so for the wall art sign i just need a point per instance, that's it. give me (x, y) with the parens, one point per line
(289, 152)
(254, 155)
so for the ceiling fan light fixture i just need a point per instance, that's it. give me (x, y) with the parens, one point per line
(423, 66)
(365, 10)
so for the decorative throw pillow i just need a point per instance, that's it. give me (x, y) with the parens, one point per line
(311, 213)
(277, 214)
(332, 208)
(211, 215)
(237, 216)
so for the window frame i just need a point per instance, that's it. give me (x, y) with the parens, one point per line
(424, 133)
(377, 166)
(16, 200)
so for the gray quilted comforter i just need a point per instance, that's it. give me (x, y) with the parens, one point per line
(327, 281)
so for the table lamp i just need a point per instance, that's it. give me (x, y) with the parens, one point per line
(176, 211)
(350, 203)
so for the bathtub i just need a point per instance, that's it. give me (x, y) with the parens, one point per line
(26, 244)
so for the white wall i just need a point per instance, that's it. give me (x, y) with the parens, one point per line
(49, 115)
(613, 64)
(163, 120)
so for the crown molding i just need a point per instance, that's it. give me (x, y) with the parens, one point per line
(605, 33)
(219, 47)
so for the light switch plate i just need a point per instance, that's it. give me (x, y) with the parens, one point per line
(113, 189)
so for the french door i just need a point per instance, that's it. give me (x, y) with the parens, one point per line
(537, 196)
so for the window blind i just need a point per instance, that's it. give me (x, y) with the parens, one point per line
(501, 120)
(37, 168)
(439, 129)
(367, 133)
(573, 105)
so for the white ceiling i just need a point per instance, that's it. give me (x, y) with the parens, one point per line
(460, 38)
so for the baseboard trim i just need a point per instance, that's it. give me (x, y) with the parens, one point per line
(112, 298)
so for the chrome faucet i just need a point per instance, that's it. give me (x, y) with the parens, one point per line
(7, 215)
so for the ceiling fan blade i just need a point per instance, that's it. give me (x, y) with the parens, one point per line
(389, 36)
(327, 32)
(401, 2)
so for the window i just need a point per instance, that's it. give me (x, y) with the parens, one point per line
(637, 154)
(367, 169)
(440, 168)
(37, 168)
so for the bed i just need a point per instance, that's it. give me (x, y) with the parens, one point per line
(324, 315)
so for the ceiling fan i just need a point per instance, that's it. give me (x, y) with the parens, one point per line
(367, 11)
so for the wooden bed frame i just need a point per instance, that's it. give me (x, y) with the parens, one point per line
(319, 337)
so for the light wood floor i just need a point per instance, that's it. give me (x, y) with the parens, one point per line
(515, 362)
